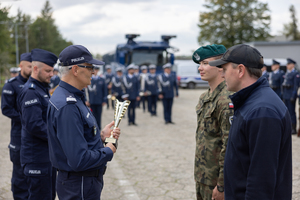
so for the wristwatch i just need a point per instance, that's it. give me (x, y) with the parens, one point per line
(220, 188)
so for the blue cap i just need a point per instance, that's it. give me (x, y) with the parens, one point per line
(25, 57)
(97, 67)
(44, 56)
(275, 62)
(77, 54)
(107, 66)
(168, 65)
(289, 61)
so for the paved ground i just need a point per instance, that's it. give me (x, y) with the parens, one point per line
(154, 161)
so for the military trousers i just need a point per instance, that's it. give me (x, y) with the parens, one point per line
(19, 185)
(204, 192)
(131, 111)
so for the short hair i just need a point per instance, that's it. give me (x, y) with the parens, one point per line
(64, 70)
(253, 72)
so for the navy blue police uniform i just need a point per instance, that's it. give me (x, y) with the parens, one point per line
(151, 86)
(97, 96)
(289, 93)
(9, 95)
(131, 84)
(142, 79)
(117, 88)
(75, 144)
(54, 81)
(276, 80)
(167, 83)
(32, 104)
(108, 77)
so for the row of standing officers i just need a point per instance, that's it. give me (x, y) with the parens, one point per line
(285, 85)
(59, 133)
(134, 86)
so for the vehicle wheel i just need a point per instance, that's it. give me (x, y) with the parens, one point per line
(191, 85)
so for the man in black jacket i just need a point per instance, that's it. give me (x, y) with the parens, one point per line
(258, 161)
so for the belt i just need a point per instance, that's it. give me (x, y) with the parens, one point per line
(93, 173)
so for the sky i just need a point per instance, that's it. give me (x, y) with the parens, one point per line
(100, 25)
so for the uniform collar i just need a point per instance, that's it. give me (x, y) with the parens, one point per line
(211, 96)
(241, 96)
(38, 83)
(71, 88)
(22, 78)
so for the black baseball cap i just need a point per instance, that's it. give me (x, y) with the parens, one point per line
(240, 54)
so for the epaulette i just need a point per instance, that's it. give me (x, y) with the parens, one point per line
(70, 98)
(12, 79)
(32, 86)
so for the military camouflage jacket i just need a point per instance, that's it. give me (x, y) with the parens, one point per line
(214, 112)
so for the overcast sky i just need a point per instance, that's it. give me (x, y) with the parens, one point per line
(101, 24)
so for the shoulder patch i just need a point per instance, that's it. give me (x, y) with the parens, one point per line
(12, 79)
(31, 102)
(70, 98)
(32, 86)
(231, 105)
(7, 92)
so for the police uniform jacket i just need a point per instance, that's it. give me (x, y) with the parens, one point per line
(290, 85)
(258, 161)
(131, 86)
(214, 111)
(32, 104)
(74, 142)
(117, 86)
(54, 81)
(9, 95)
(151, 84)
(97, 91)
(276, 80)
(167, 84)
(108, 78)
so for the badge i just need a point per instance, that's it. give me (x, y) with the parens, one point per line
(95, 130)
(230, 120)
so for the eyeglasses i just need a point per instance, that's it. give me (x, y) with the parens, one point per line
(91, 68)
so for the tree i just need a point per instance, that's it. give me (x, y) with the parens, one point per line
(44, 34)
(23, 21)
(231, 22)
(6, 42)
(291, 29)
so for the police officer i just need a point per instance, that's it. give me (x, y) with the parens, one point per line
(32, 104)
(276, 78)
(167, 83)
(265, 73)
(151, 89)
(10, 92)
(54, 80)
(131, 85)
(117, 89)
(97, 95)
(14, 72)
(108, 76)
(289, 90)
(75, 141)
(143, 76)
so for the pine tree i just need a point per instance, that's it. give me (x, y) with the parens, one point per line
(231, 22)
(291, 29)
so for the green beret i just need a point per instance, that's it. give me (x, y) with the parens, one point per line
(208, 51)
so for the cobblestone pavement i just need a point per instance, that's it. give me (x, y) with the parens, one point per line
(154, 161)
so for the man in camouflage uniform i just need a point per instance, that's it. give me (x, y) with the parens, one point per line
(214, 112)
